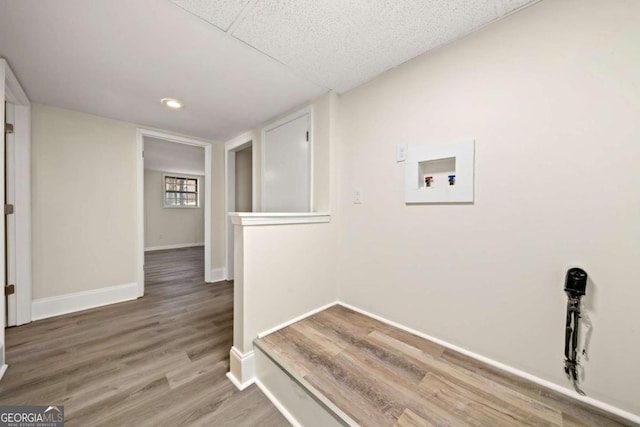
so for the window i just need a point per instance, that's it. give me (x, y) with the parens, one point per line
(180, 192)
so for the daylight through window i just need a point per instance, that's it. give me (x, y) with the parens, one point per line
(180, 191)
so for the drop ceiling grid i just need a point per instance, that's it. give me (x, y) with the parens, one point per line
(312, 37)
(341, 44)
(221, 13)
(399, 31)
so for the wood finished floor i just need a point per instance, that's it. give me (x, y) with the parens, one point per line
(159, 360)
(382, 376)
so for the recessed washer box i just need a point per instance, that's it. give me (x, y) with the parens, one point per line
(449, 168)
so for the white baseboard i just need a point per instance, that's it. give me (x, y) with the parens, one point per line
(177, 246)
(3, 369)
(43, 308)
(545, 383)
(296, 319)
(242, 372)
(279, 406)
(240, 386)
(242, 368)
(218, 275)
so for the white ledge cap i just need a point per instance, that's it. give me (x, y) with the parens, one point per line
(274, 218)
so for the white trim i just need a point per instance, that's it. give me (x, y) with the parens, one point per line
(242, 368)
(240, 386)
(22, 193)
(140, 212)
(13, 91)
(208, 197)
(308, 110)
(3, 307)
(279, 406)
(43, 308)
(11, 220)
(240, 142)
(21, 166)
(230, 148)
(278, 218)
(296, 319)
(178, 171)
(288, 118)
(208, 244)
(3, 369)
(218, 274)
(176, 246)
(278, 365)
(312, 201)
(545, 383)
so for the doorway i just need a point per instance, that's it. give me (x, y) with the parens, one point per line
(176, 189)
(240, 186)
(287, 166)
(15, 128)
(17, 201)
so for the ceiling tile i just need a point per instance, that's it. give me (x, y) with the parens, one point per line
(91, 57)
(399, 31)
(221, 13)
(312, 38)
(341, 44)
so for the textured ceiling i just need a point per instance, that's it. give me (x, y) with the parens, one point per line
(118, 58)
(221, 13)
(172, 157)
(234, 63)
(341, 44)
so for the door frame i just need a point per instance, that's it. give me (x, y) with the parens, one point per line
(231, 148)
(306, 111)
(140, 134)
(19, 163)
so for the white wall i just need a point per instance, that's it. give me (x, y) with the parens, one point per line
(84, 202)
(551, 96)
(322, 130)
(288, 271)
(170, 226)
(284, 271)
(244, 176)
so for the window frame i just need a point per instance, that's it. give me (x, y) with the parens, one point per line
(180, 176)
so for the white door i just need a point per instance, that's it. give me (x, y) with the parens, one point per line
(286, 173)
(10, 221)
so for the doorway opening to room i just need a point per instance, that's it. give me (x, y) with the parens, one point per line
(240, 194)
(16, 190)
(174, 210)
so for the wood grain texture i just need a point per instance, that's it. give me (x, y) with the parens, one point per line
(382, 376)
(411, 419)
(158, 360)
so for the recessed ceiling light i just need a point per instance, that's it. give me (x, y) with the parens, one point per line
(171, 103)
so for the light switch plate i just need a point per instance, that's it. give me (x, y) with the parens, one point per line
(357, 196)
(401, 152)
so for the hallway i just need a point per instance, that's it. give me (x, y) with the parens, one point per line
(158, 360)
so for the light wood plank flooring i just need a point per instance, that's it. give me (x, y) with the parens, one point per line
(382, 376)
(159, 360)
